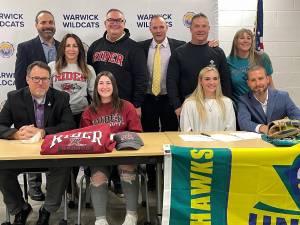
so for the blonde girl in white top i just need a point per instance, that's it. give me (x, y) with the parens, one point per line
(207, 109)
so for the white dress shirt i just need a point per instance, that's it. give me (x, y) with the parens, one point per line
(165, 53)
(264, 106)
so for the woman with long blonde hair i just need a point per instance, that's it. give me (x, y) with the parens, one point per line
(207, 109)
(243, 56)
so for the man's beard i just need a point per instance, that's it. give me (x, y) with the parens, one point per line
(47, 33)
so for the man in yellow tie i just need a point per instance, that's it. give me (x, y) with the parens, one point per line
(157, 113)
(156, 76)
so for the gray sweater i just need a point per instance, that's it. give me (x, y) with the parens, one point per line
(72, 81)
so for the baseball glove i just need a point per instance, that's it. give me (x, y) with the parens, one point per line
(284, 129)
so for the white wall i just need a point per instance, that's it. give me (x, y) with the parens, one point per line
(281, 36)
(85, 18)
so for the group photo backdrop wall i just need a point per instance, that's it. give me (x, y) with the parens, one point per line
(86, 19)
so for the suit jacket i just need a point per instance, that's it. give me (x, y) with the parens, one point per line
(145, 45)
(251, 114)
(27, 53)
(18, 111)
(172, 42)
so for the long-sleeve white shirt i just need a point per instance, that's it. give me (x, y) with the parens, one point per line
(190, 119)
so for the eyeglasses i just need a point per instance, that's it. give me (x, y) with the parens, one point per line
(118, 21)
(38, 79)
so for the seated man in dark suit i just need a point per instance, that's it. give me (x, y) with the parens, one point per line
(262, 104)
(33, 109)
(41, 48)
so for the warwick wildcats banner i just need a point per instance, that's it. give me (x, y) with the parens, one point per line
(238, 186)
(85, 18)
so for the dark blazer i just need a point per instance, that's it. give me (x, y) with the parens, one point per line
(145, 45)
(27, 53)
(251, 114)
(172, 42)
(18, 111)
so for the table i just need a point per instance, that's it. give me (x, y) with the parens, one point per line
(245, 182)
(256, 143)
(14, 154)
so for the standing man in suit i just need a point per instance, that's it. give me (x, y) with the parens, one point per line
(31, 110)
(263, 104)
(42, 48)
(156, 106)
(157, 113)
(187, 61)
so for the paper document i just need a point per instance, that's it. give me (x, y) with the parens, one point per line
(225, 137)
(195, 137)
(234, 136)
(247, 135)
(34, 139)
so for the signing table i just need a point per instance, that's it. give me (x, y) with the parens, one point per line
(239, 182)
(252, 143)
(244, 182)
(14, 154)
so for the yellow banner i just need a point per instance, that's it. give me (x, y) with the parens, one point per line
(264, 186)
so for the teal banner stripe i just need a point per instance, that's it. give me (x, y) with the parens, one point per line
(220, 185)
(180, 193)
(212, 184)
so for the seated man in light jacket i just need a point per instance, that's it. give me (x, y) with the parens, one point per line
(263, 104)
(33, 109)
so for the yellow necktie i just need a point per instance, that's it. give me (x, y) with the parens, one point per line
(156, 71)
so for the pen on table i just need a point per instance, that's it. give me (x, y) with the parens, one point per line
(207, 135)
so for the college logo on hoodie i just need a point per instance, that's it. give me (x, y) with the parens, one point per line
(106, 56)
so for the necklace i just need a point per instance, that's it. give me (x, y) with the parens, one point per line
(210, 105)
